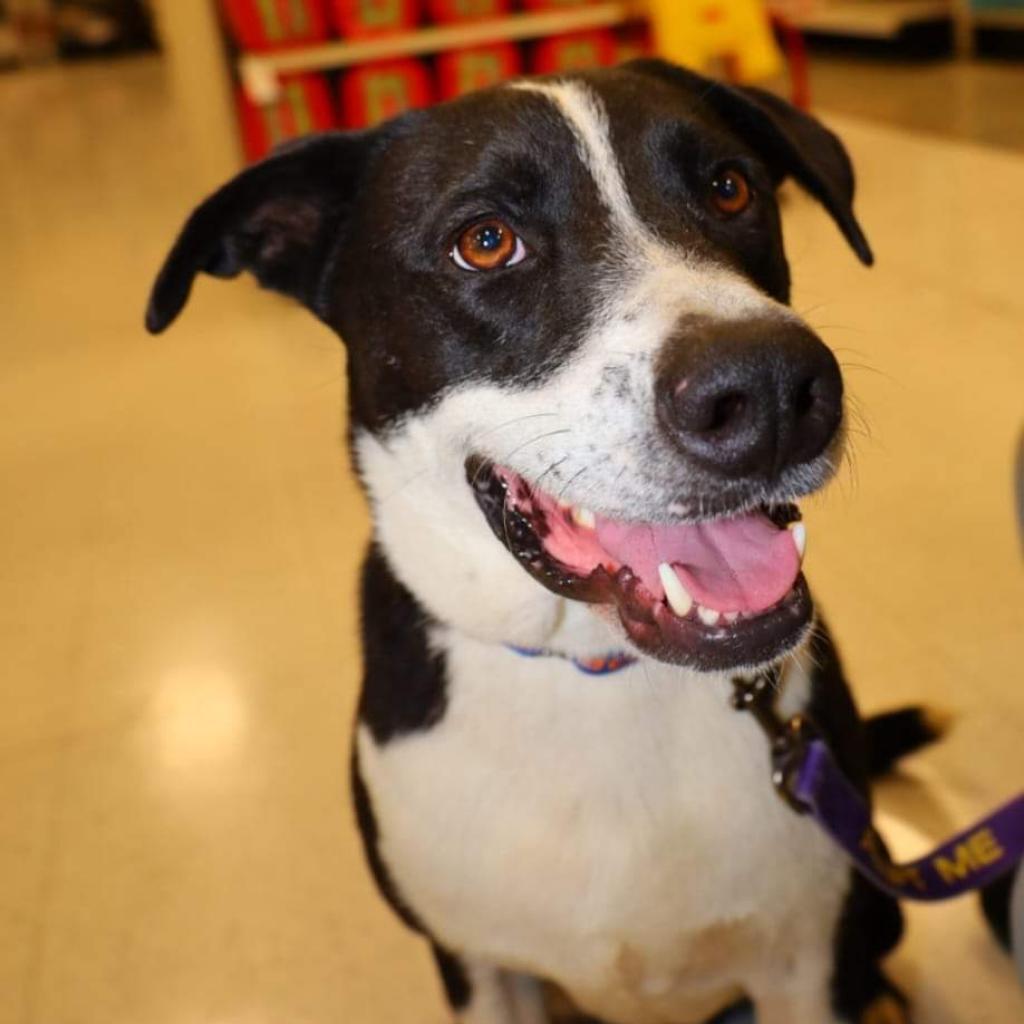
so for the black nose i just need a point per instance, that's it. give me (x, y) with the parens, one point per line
(750, 399)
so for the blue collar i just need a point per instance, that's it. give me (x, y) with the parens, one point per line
(602, 665)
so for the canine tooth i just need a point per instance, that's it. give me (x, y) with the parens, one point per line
(799, 532)
(730, 616)
(584, 517)
(676, 594)
(708, 615)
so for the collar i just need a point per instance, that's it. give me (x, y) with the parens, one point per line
(602, 665)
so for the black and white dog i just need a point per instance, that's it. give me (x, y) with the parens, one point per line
(582, 408)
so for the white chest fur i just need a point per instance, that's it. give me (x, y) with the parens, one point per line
(617, 834)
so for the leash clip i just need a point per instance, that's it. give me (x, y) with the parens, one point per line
(788, 738)
(802, 763)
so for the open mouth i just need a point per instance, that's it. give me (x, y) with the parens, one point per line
(712, 595)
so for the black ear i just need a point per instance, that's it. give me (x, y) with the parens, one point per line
(792, 142)
(279, 219)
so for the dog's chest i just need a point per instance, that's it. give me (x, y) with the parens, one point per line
(618, 834)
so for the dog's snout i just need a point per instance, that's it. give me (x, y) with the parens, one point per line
(750, 399)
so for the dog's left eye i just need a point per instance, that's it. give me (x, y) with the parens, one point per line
(730, 192)
(488, 245)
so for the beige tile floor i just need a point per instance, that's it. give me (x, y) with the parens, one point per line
(179, 535)
(978, 101)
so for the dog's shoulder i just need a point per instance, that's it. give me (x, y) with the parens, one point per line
(832, 708)
(405, 685)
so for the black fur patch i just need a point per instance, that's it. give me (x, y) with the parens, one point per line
(995, 905)
(871, 922)
(871, 925)
(417, 324)
(404, 687)
(790, 142)
(834, 712)
(457, 986)
(677, 148)
(895, 734)
(367, 823)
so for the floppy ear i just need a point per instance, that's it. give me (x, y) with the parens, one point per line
(279, 219)
(792, 142)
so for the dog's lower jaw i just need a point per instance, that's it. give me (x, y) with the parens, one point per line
(562, 550)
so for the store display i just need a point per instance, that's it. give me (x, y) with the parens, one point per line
(305, 106)
(372, 93)
(365, 19)
(737, 32)
(369, 86)
(270, 24)
(462, 71)
(573, 52)
(449, 12)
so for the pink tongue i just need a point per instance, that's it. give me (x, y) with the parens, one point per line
(746, 564)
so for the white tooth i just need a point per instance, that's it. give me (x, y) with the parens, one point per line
(730, 616)
(676, 594)
(708, 615)
(799, 532)
(584, 517)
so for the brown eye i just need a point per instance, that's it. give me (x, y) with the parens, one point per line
(730, 193)
(488, 245)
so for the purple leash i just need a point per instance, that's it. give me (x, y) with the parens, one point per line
(808, 778)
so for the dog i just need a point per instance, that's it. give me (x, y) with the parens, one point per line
(583, 410)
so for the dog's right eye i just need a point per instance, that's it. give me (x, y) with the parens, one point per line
(730, 192)
(488, 245)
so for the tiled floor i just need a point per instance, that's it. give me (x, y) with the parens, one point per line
(976, 102)
(179, 535)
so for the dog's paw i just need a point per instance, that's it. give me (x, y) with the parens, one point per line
(885, 1009)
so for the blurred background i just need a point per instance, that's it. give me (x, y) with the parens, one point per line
(180, 532)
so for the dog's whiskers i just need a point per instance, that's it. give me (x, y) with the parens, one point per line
(519, 448)
(856, 410)
(518, 419)
(866, 368)
(533, 440)
(572, 480)
(476, 476)
(525, 444)
(407, 482)
(554, 465)
(805, 312)
(850, 464)
(551, 468)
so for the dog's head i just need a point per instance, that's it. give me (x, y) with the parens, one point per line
(564, 303)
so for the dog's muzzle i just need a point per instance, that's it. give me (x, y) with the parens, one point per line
(748, 400)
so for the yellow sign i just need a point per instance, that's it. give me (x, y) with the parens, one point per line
(696, 33)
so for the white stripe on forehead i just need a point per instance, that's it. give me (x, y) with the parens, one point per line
(663, 275)
(589, 123)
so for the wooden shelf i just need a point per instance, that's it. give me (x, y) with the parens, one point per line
(260, 72)
(881, 19)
